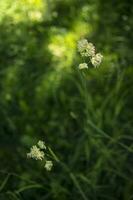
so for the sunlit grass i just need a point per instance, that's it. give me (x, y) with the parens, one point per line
(22, 11)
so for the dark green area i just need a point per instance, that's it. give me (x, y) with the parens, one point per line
(42, 97)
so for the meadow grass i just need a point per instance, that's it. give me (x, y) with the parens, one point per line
(85, 116)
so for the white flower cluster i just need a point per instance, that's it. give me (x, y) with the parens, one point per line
(96, 60)
(37, 153)
(48, 165)
(83, 66)
(41, 144)
(88, 50)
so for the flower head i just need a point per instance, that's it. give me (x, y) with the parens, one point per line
(48, 165)
(39, 152)
(96, 60)
(86, 49)
(35, 153)
(82, 45)
(41, 144)
(90, 49)
(83, 66)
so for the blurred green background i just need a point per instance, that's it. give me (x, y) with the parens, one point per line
(41, 97)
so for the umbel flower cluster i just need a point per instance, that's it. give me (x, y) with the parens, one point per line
(87, 50)
(39, 152)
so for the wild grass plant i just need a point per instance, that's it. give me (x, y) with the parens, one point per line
(100, 144)
(83, 112)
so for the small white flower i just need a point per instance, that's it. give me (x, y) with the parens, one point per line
(96, 60)
(86, 49)
(82, 44)
(35, 153)
(41, 144)
(90, 49)
(83, 66)
(48, 165)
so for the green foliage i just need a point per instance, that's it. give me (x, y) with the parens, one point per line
(86, 120)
